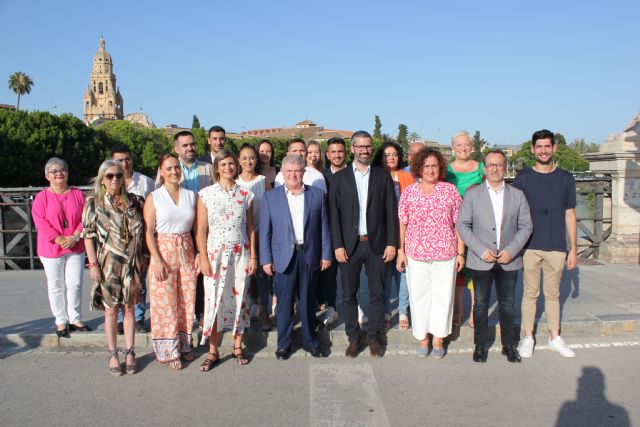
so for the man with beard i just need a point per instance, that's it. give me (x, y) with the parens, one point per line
(551, 194)
(364, 230)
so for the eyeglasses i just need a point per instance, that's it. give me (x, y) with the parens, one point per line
(363, 147)
(110, 176)
(498, 166)
(57, 171)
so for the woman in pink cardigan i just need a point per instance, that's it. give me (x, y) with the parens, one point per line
(57, 214)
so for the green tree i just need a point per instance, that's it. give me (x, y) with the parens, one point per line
(581, 146)
(560, 139)
(20, 83)
(478, 143)
(414, 136)
(402, 139)
(377, 134)
(565, 157)
(195, 122)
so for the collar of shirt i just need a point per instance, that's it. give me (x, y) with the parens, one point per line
(355, 169)
(499, 190)
(334, 170)
(290, 192)
(188, 168)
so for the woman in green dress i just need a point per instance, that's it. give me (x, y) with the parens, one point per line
(463, 172)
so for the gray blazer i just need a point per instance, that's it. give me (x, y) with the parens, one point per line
(476, 226)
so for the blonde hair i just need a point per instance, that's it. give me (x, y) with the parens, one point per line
(99, 190)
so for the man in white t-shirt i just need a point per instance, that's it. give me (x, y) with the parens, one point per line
(311, 176)
(140, 185)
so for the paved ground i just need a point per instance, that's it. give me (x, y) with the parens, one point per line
(597, 388)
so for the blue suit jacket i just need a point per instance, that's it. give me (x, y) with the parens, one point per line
(277, 240)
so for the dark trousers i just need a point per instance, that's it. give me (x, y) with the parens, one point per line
(265, 287)
(297, 279)
(199, 305)
(505, 290)
(328, 285)
(376, 271)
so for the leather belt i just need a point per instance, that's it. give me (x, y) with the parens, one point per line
(363, 238)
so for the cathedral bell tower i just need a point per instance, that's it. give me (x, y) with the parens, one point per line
(102, 99)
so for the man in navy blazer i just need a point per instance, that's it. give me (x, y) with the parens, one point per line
(295, 244)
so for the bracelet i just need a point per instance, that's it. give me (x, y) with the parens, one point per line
(462, 255)
(253, 258)
(92, 264)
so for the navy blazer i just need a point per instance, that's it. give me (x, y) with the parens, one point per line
(277, 239)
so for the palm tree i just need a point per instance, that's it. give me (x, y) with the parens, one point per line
(20, 84)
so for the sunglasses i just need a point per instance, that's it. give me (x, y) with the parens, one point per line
(110, 176)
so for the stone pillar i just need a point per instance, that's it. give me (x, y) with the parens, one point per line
(619, 158)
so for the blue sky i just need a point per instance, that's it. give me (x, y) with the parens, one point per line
(506, 68)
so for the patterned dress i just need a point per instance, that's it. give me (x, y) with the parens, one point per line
(228, 251)
(118, 238)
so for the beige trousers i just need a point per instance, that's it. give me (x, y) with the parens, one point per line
(551, 263)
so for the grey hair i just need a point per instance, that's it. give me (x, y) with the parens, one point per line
(293, 159)
(99, 190)
(55, 161)
(459, 134)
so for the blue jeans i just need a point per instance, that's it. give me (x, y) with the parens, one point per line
(401, 290)
(141, 307)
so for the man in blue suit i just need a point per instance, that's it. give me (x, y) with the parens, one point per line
(295, 244)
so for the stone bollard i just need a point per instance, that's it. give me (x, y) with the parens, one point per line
(619, 158)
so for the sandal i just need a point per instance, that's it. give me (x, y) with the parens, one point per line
(187, 357)
(133, 367)
(403, 322)
(176, 365)
(208, 363)
(241, 359)
(115, 371)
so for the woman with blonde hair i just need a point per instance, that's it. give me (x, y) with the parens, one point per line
(113, 232)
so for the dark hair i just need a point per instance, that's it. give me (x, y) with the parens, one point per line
(121, 149)
(543, 134)
(216, 129)
(361, 134)
(296, 140)
(223, 154)
(379, 160)
(272, 161)
(248, 146)
(181, 134)
(496, 151)
(336, 140)
(161, 160)
(422, 155)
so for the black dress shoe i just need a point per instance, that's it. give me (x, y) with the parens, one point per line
(282, 354)
(352, 349)
(63, 333)
(512, 354)
(375, 349)
(120, 328)
(316, 352)
(141, 328)
(83, 328)
(480, 354)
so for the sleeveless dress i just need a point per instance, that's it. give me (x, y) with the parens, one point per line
(228, 252)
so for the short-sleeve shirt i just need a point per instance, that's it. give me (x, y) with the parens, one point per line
(549, 196)
(431, 221)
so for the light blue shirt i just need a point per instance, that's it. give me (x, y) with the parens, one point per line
(362, 184)
(190, 175)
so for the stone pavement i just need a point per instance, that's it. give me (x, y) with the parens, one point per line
(597, 300)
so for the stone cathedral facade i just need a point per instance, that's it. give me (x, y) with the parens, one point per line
(102, 99)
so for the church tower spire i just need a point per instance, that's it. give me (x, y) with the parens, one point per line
(102, 99)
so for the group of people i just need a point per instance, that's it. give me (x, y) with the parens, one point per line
(218, 237)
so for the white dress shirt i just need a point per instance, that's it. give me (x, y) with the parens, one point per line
(497, 201)
(362, 184)
(311, 177)
(140, 185)
(296, 208)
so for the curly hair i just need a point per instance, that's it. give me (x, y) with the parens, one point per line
(421, 156)
(379, 159)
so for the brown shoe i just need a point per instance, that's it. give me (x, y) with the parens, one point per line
(352, 349)
(375, 349)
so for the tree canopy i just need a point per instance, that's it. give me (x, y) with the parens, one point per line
(20, 83)
(565, 157)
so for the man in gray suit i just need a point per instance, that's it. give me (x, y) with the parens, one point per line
(495, 224)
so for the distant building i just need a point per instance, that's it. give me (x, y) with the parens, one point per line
(102, 99)
(171, 129)
(444, 149)
(305, 129)
(8, 107)
(140, 119)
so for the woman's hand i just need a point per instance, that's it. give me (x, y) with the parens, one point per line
(459, 262)
(205, 267)
(159, 270)
(401, 261)
(196, 263)
(65, 242)
(95, 273)
(251, 268)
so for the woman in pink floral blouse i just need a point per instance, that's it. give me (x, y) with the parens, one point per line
(430, 249)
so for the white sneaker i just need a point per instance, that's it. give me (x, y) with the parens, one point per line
(330, 316)
(559, 346)
(526, 347)
(362, 318)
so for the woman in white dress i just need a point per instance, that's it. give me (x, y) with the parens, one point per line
(225, 233)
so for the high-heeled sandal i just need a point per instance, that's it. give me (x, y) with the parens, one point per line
(208, 363)
(115, 371)
(241, 359)
(133, 367)
(64, 333)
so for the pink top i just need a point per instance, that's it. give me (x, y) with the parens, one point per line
(49, 211)
(431, 221)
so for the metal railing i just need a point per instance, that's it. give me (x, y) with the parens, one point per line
(18, 234)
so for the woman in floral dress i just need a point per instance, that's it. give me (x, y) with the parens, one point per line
(225, 233)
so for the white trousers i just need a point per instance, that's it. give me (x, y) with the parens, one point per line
(431, 290)
(64, 272)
